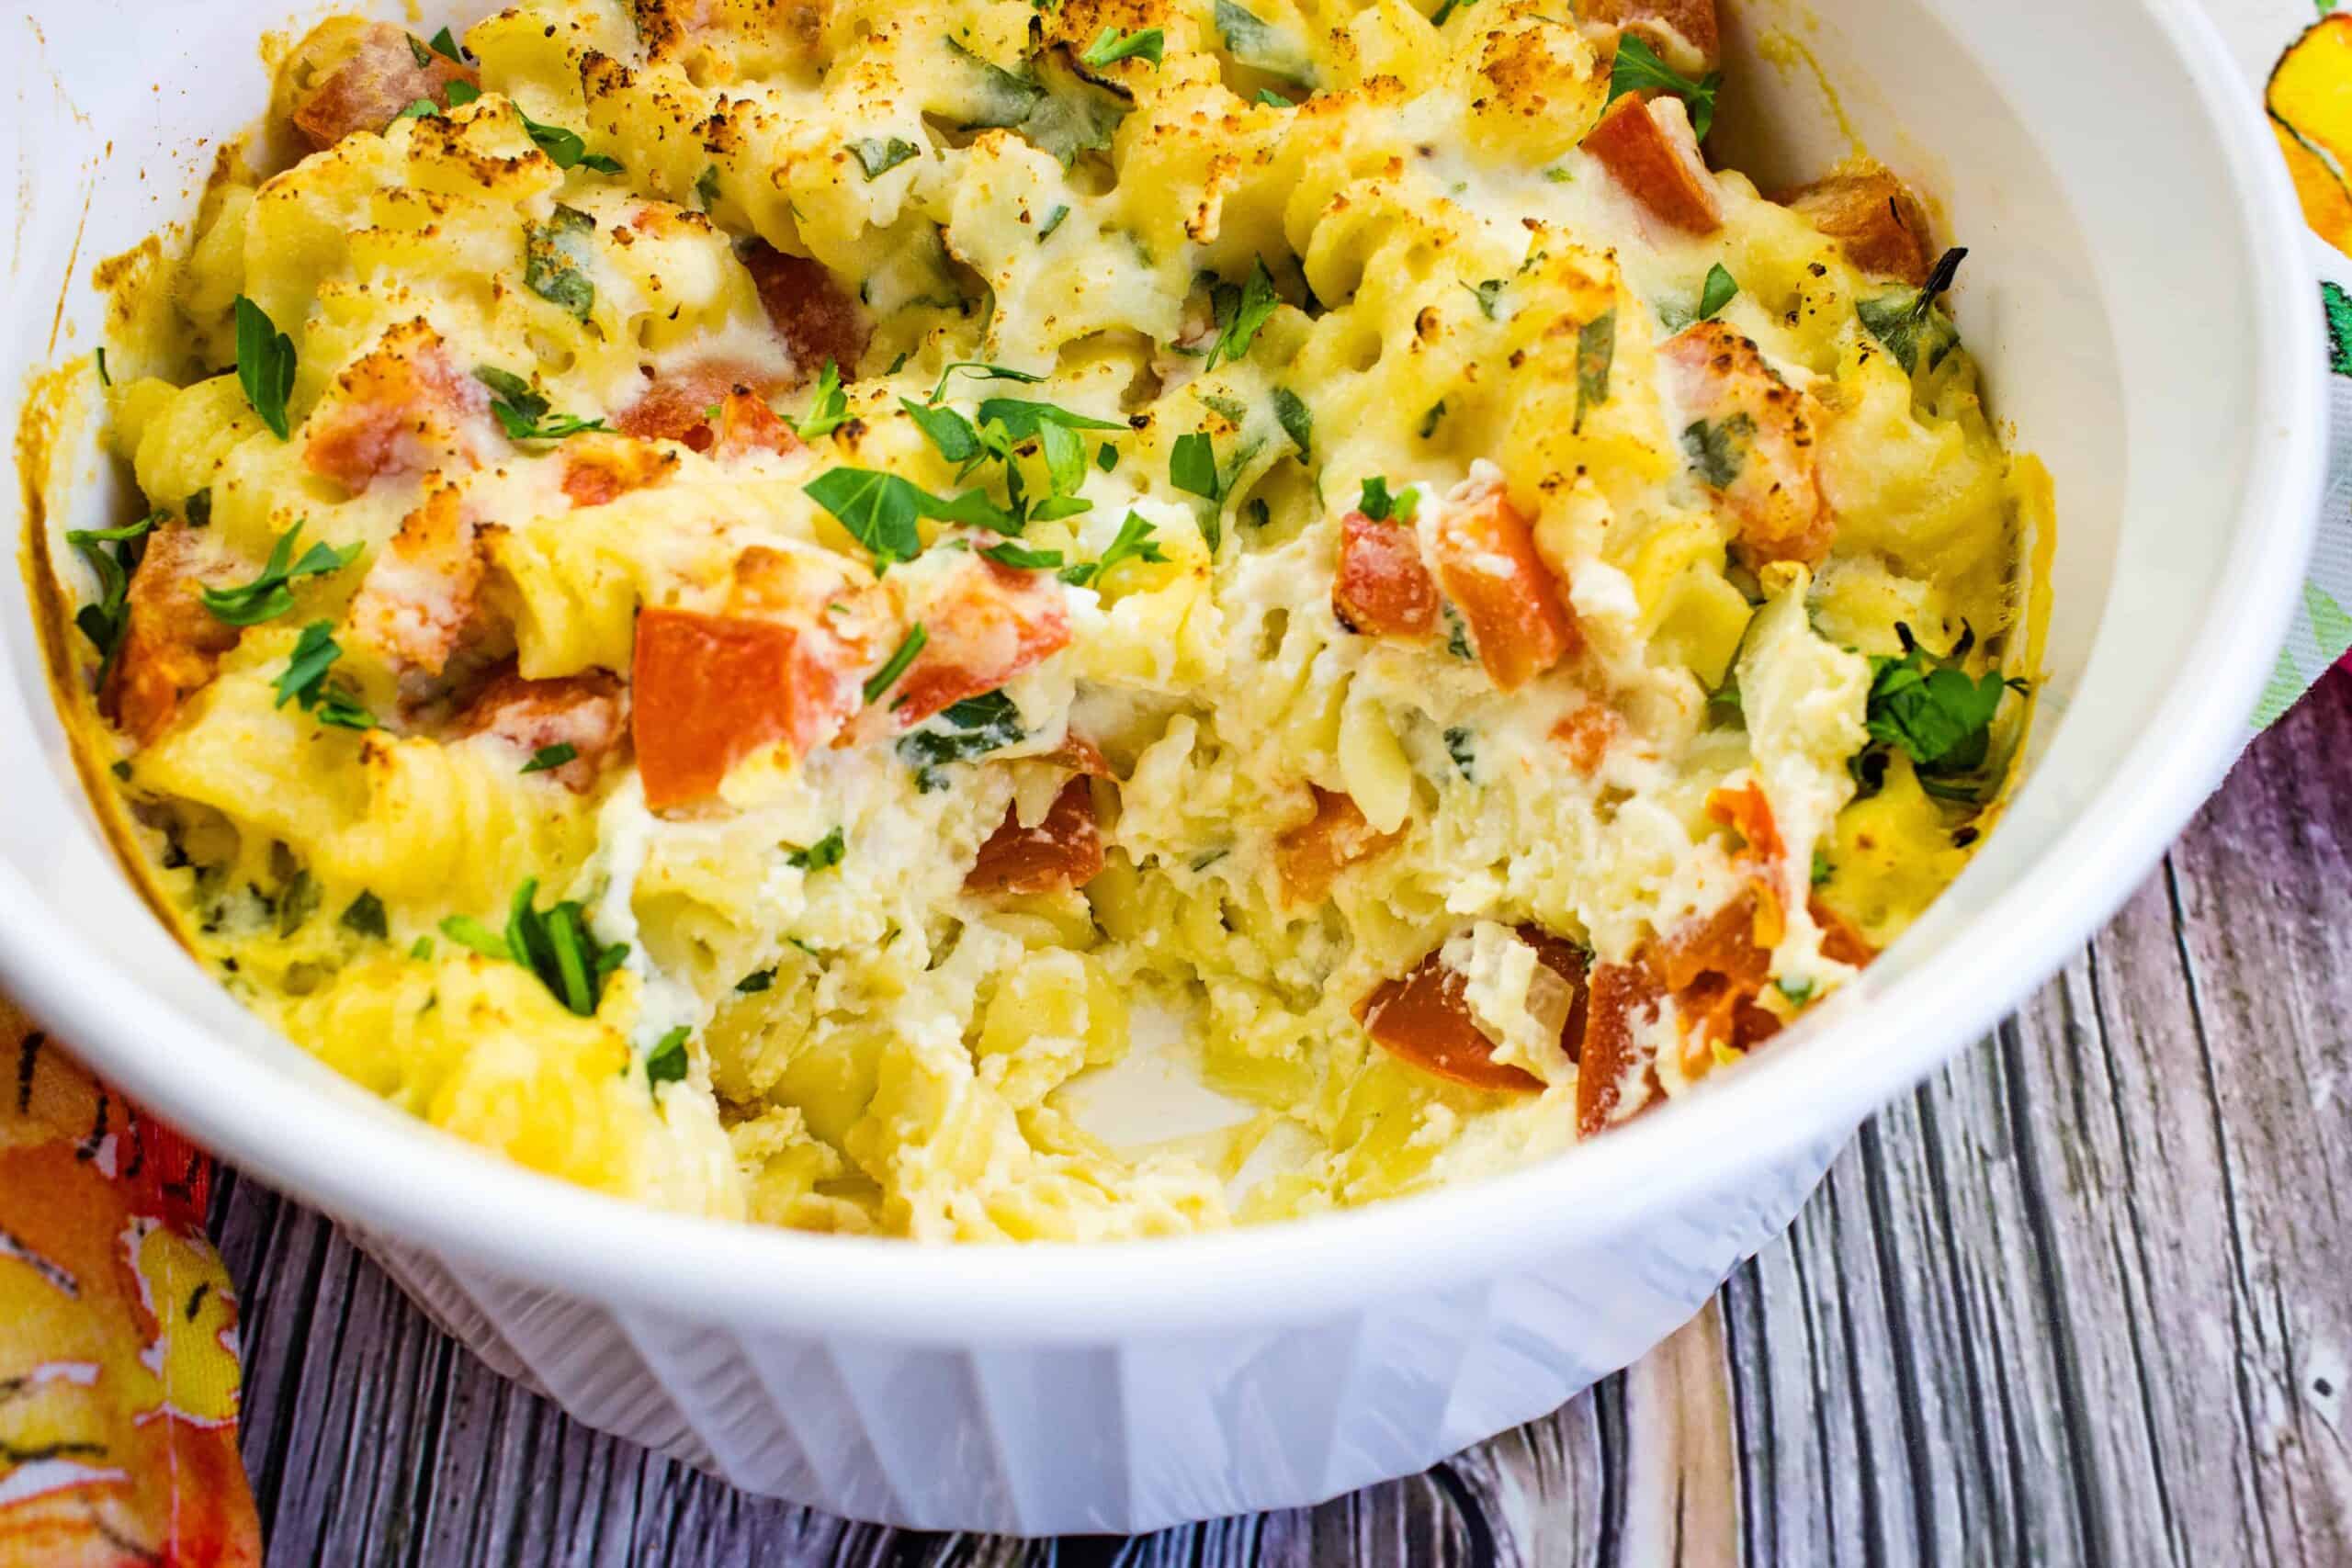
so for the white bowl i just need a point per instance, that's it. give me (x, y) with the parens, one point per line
(2135, 290)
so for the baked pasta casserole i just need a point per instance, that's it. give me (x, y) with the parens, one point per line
(985, 620)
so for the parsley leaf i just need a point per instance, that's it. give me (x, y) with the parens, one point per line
(882, 680)
(1638, 69)
(1430, 419)
(970, 728)
(1374, 502)
(666, 1063)
(947, 430)
(1134, 543)
(753, 984)
(879, 510)
(270, 595)
(824, 853)
(1254, 42)
(445, 44)
(706, 188)
(264, 366)
(522, 413)
(460, 93)
(828, 410)
(105, 621)
(1595, 353)
(1907, 323)
(553, 255)
(546, 759)
(1053, 221)
(878, 157)
(1022, 559)
(1251, 309)
(418, 51)
(1487, 293)
(555, 944)
(365, 915)
(1936, 714)
(1111, 46)
(980, 370)
(565, 147)
(1273, 99)
(1023, 419)
(1462, 745)
(1192, 466)
(1296, 419)
(103, 379)
(304, 680)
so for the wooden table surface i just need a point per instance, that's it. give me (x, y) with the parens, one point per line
(2079, 1298)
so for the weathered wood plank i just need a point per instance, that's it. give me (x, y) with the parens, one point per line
(2076, 1299)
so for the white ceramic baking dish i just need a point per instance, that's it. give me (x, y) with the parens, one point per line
(2135, 292)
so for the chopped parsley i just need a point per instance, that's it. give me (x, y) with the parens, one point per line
(1274, 100)
(1254, 42)
(1797, 991)
(197, 507)
(1022, 559)
(828, 410)
(970, 728)
(981, 370)
(1373, 500)
(546, 759)
(706, 188)
(877, 156)
(1239, 314)
(1106, 457)
(1718, 451)
(112, 554)
(1430, 420)
(882, 680)
(758, 980)
(555, 944)
(1111, 45)
(824, 853)
(1463, 747)
(1638, 69)
(264, 366)
(879, 510)
(1907, 322)
(1053, 221)
(566, 149)
(1595, 353)
(1192, 466)
(1487, 293)
(1822, 869)
(1720, 289)
(103, 379)
(1935, 712)
(553, 255)
(522, 413)
(298, 903)
(666, 1063)
(365, 915)
(1296, 419)
(304, 680)
(445, 44)
(271, 594)
(1457, 633)
(1132, 543)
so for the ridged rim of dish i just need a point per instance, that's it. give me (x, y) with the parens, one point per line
(412, 1185)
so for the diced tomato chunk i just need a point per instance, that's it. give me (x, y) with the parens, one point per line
(400, 409)
(171, 643)
(599, 470)
(1424, 1018)
(1310, 856)
(1586, 734)
(1665, 24)
(1839, 940)
(1064, 850)
(1875, 219)
(381, 77)
(983, 624)
(422, 591)
(586, 712)
(1487, 565)
(746, 423)
(706, 691)
(1613, 1059)
(1748, 812)
(815, 317)
(1648, 149)
(677, 407)
(1381, 588)
(1751, 441)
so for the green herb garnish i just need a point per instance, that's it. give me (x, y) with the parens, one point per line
(1111, 46)
(1718, 451)
(1938, 715)
(1133, 542)
(827, 409)
(566, 149)
(365, 915)
(554, 253)
(1429, 421)
(271, 594)
(882, 680)
(824, 853)
(1296, 419)
(1595, 353)
(546, 759)
(1638, 69)
(758, 980)
(1463, 747)
(706, 188)
(877, 156)
(304, 680)
(445, 44)
(1240, 314)
(264, 366)
(1720, 289)
(112, 554)
(879, 510)
(970, 728)
(1053, 221)
(522, 413)
(1487, 293)
(1022, 559)
(666, 1063)
(1907, 323)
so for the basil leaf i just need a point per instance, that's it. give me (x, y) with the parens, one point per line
(1907, 323)
(1192, 466)
(1023, 419)
(1254, 307)
(1638, 69)
(264, 366)
(112, 554)
(947, 430)
(1133, 543)
(553, 255)
(1022, 559)
(1298, 420)
(546, 759)
(1719, 451)
(1111, 46)
(566, 148)
(828, 410)
(460, 93)
(270, 595)
(446, 46)
(879, 510)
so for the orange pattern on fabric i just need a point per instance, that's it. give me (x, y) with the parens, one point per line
(118, 1333)
(2310, 100)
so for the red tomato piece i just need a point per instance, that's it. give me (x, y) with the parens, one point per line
(586, 712)
(678, 407)
(400, 409)
(983, 624)
(1839, 940)
(1487, 565)
(708, 691)
(381, 78)
(1648, 149)
(1748, 812)
(171, 643)
(1621, 994)
(1064, 850)
(1424, 1019)
(1586, 734)
(1381, 588)
(1751, 441)
(1310, 856)
(816, 318)
(746, 423)
(422, 595)
(602, 468)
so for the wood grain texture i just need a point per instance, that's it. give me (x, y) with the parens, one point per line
(2081, 1298)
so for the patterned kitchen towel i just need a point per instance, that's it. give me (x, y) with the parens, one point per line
(2299, 57)
(118, 1333)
